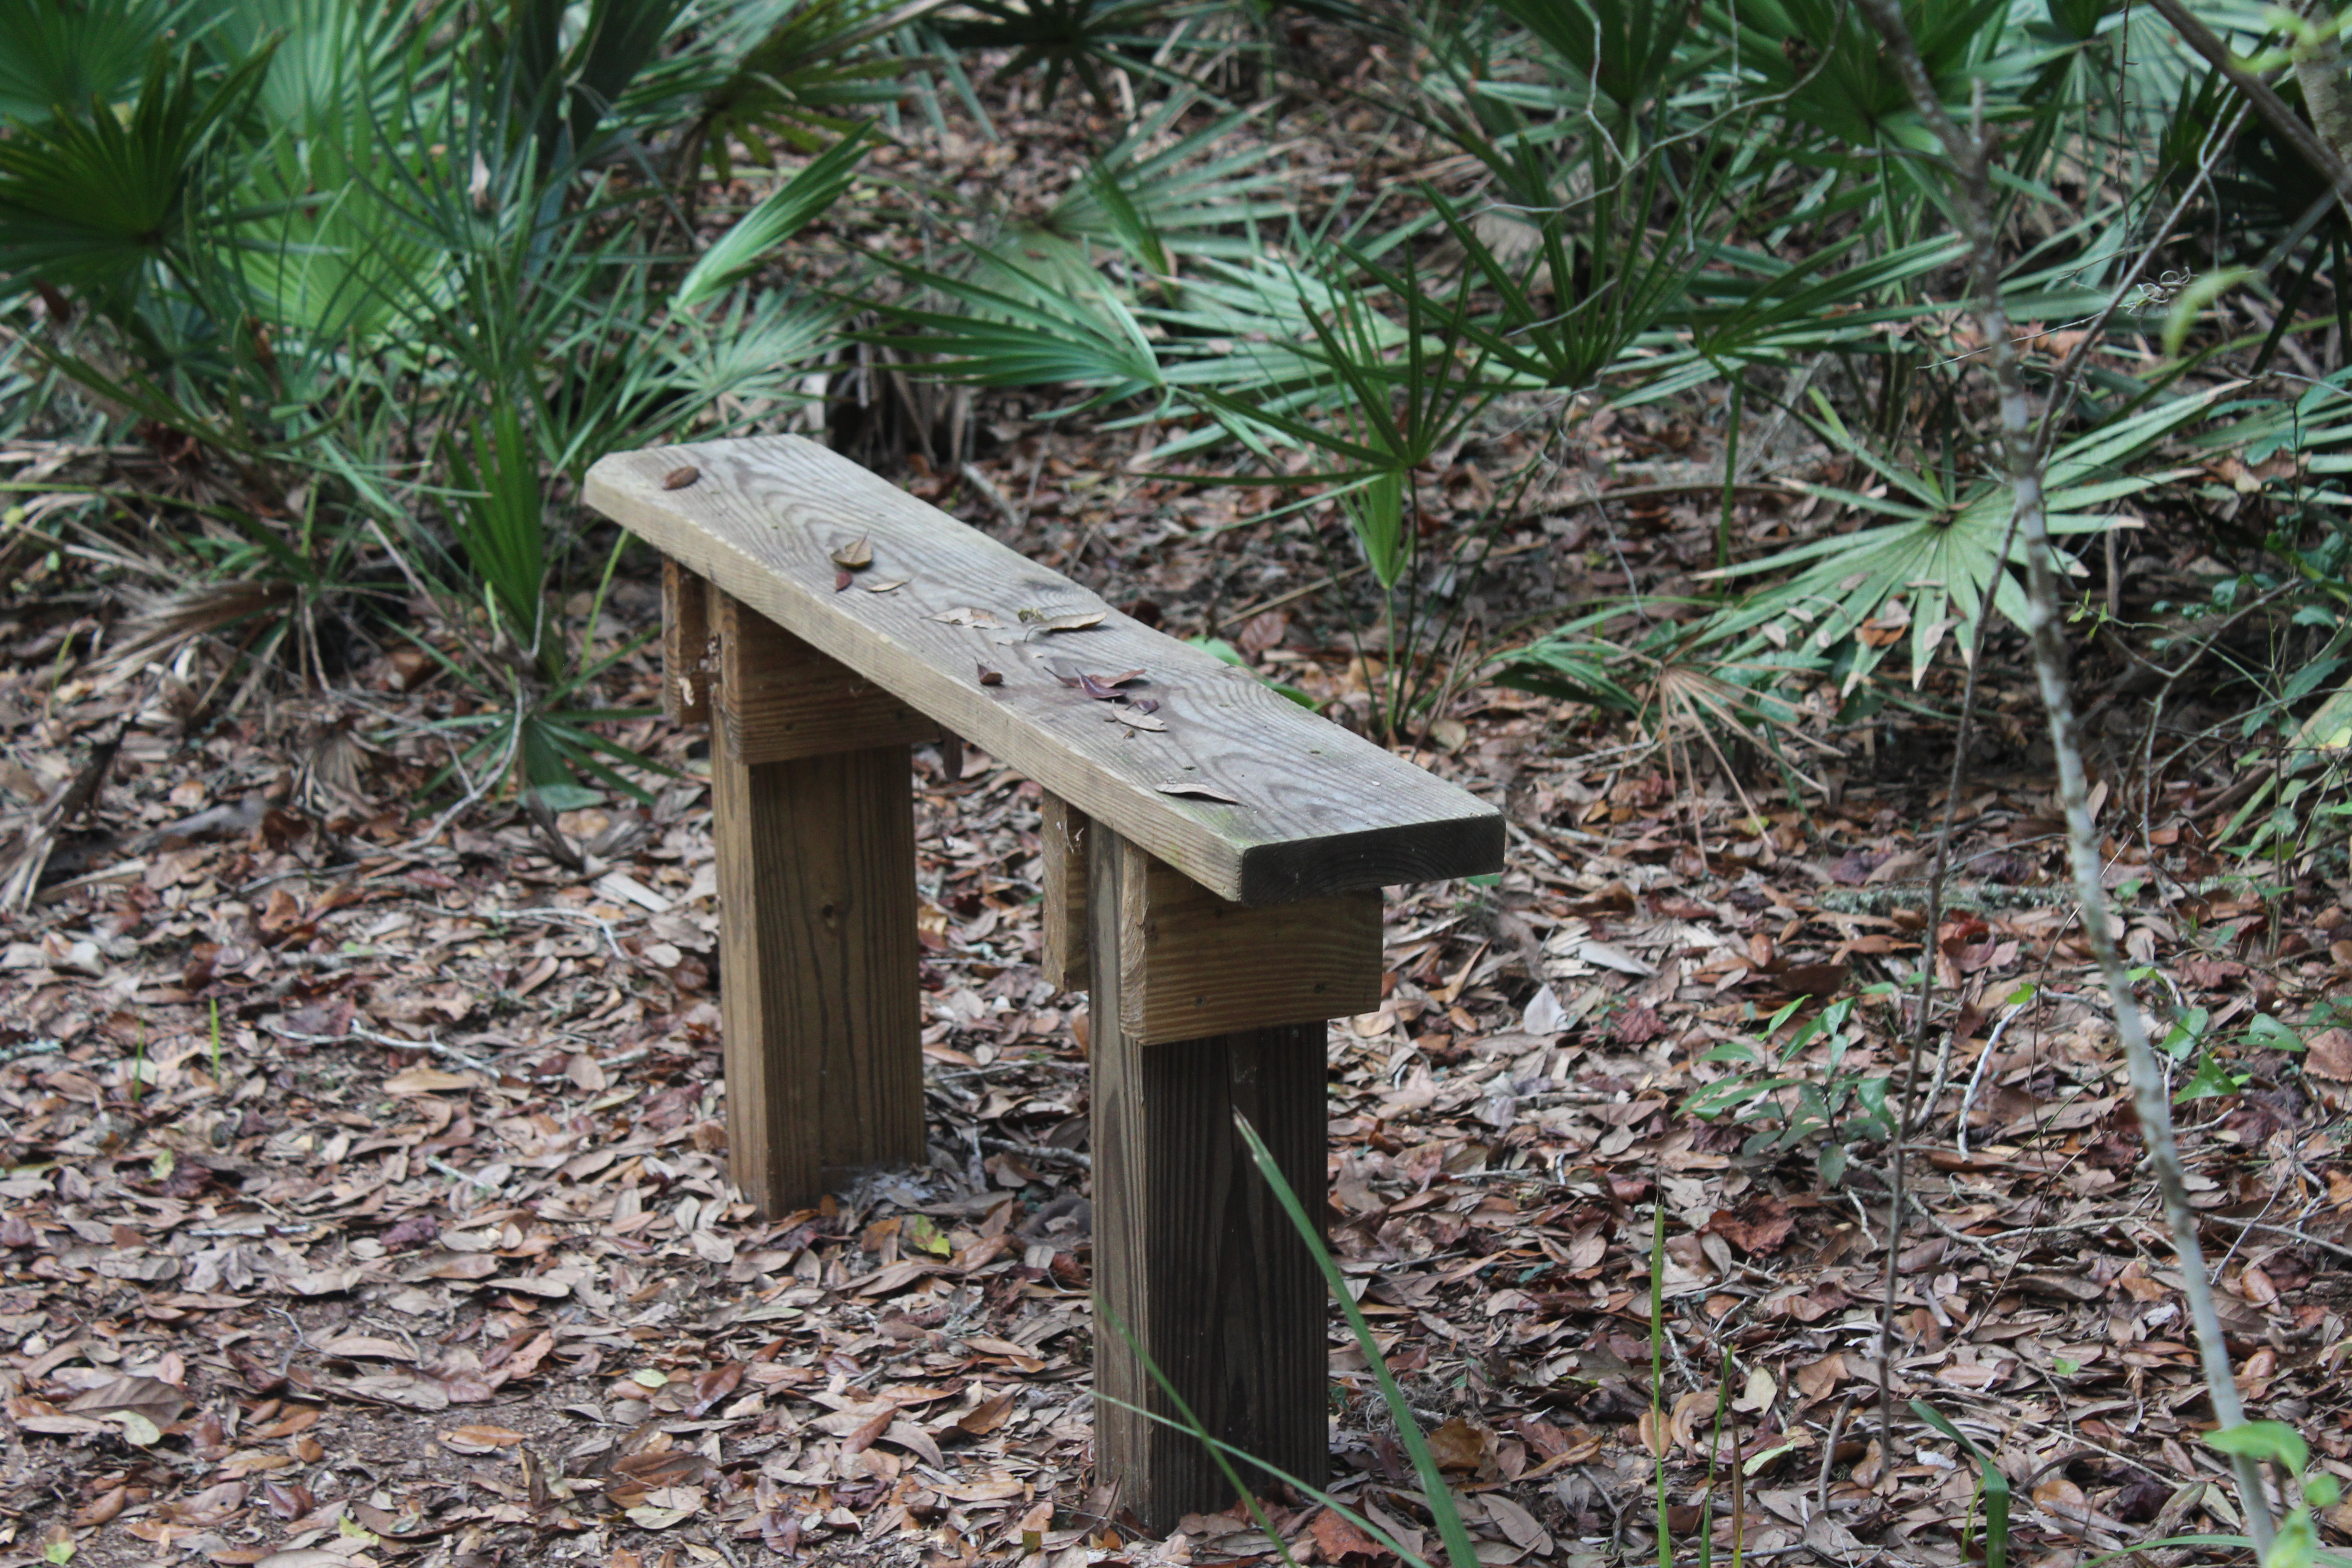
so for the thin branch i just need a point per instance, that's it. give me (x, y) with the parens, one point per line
(1970, 155)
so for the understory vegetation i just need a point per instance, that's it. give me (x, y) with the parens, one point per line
(1694, 426)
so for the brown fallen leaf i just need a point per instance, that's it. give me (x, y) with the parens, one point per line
(989, 677)
(710, 1388)
(987, 1416)
(841, 579)
(679, 478)
(855, 557)
(1518, 1525)
(151, 1398)
(1457, 1445)
(1106, 688)
(475, 1439)
(1335, 1537)
(884, 584)
(353, 1346)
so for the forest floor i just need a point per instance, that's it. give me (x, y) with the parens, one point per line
(365, 1181)
(366, 1185)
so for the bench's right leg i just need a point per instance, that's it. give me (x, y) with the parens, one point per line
(813, 807)
(1198, 1269)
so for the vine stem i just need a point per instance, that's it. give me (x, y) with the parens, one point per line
(1970, 155)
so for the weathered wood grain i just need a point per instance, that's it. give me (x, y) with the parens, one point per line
(779, 699)
(1312, 809)
(1196, 1266)
(820, 1002)
(1061, 829)
(685, 644)
(1193, 965)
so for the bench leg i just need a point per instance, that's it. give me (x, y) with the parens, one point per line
(818, 990)
(1196, 1266)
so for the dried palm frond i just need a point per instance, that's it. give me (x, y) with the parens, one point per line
(31, 837)
(163, 623)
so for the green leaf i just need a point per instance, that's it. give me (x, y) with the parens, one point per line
(2273, 1032)
(93, 198)
(2270, 1440)
(65, 55)
(788, 209)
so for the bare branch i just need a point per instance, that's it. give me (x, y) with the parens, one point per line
(1970, 152)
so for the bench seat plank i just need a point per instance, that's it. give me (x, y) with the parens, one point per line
(1314, 810)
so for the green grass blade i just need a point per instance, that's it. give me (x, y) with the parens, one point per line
(1460, 1550)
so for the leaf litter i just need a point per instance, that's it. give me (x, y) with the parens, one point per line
(493, 1202)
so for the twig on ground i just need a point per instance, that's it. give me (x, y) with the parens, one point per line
(368, 1037)
(1078, 1157)
(1969, 1096)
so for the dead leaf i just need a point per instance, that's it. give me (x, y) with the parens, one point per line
(1335, 1537)
(987, 1416)
(155, 1400)
(968, 616)
(991, 677)
(855, 557)
(1518, 1525)
(1076, 622)
(679, 478)
(714, 1386)
(884, 585)
(1106, 688)
(479, 1440)
(1458, 1446)
(429, 1080)
(1135, 721)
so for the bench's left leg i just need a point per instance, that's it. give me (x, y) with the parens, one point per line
(819, 991)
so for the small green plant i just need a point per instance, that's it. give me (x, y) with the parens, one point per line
(217, 1043)
(2214, 1068)
(2296, 1545)
(1461, 1552)
(1992, 1490)
(1788, 1103)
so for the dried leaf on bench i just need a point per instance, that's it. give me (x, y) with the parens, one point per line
(966, 616)
(679, 478)
(1106, 688)
(1191, 790)
(991, 677)
(884, 584)
(855, 557)
(1135, 721)
(1040, 622)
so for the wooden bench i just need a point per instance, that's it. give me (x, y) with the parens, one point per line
(1214, 867)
